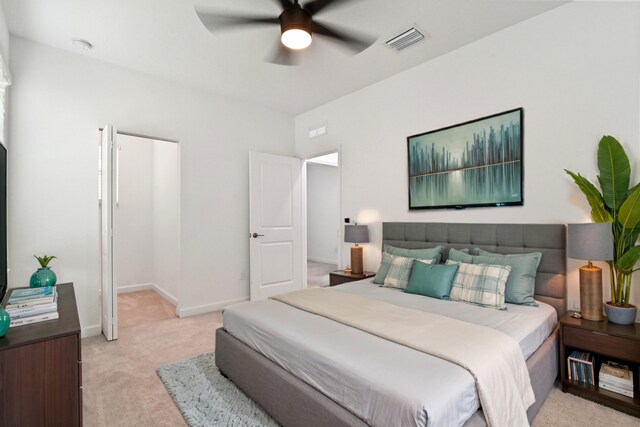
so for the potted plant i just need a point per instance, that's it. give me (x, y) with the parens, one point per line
(44, 276)
(618, 204)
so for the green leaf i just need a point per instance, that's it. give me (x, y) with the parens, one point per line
(629, 215)
(627, 261)
(615, 172)
(599, 212)
(44, 260)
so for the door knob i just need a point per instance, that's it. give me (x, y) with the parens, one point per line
(256, 235)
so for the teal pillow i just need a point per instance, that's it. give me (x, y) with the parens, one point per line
(536, 255)
(434, 254)
(431, 280)
(460, 256)
(521, 283)
(383, 269)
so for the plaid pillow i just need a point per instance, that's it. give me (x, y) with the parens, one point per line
(399, 272)
(480, 284)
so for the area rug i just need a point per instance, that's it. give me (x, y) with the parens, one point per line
(206, 398)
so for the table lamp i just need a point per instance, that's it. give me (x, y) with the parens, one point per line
(356, 234)
(591, 242)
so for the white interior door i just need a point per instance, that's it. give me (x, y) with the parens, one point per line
(275, 218)
(107, 181)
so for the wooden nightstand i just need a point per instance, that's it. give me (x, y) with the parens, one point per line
(339, 277)
(606, 341)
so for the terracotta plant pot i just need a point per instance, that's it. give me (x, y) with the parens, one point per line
(620, 315)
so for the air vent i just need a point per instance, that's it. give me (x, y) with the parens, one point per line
(405, 39)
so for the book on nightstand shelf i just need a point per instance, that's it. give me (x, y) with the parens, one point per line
(616, 378)
(580, 367)
(32, 305)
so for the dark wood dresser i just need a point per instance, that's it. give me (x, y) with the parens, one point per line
(41, 371)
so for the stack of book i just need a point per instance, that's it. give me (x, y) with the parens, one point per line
(26, 306)
(617, 378)
(580, 366)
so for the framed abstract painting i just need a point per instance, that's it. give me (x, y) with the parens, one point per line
(471, 164)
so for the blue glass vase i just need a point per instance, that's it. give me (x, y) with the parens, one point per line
(4, 322)
(43, 277)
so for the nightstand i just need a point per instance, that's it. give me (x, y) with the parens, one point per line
(339, 277)
(606, 341)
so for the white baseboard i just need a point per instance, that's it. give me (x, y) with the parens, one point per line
(136, 288)
(166, 295)
(148, 287)
(323, 260)
(207, 308)
(90, 331)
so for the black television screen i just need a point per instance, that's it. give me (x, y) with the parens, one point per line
(3, 221)
(471, 164)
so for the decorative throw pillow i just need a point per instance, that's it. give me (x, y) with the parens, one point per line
(480, 284)
(431, 280)
(399, 272)
(460, 255)
(536, 255)
(383, 269)
(434, 254)
(522, 280)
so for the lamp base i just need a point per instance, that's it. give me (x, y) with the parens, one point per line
(356, 260)
(591, 293)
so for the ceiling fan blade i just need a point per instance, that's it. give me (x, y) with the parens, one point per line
(284, 4)
(316, 6)
(356, 43)
(282, 55)
(216, 22)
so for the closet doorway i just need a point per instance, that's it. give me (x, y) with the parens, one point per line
(323, 218)
(145, 220)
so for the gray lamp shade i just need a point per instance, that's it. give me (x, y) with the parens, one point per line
(356, 234)
(592, 242)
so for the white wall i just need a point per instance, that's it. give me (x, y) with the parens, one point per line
(322, 213)
(4, 34)
(59, 100)
(133, 242)
(166, 219)
(576, 72)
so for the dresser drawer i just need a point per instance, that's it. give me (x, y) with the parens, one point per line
(601, 343)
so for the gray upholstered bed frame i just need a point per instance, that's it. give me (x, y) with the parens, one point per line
(294, 403)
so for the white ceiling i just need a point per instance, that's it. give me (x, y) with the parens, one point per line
(165, 38)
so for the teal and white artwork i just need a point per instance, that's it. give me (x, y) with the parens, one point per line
(477, 163)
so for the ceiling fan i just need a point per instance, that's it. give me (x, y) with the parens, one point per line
(297, 28)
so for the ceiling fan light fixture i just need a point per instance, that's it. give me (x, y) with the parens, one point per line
(295, 27)
(296, 38)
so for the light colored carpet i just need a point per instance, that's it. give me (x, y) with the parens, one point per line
(566, 410)
(136, 308)
(318, 273)
(206, 398)
(121, 386)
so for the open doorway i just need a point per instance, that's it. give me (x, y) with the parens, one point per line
(146, 230)
(140, 200)
(323, 218)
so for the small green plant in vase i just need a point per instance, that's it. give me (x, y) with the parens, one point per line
(44, 276)
(618, 204)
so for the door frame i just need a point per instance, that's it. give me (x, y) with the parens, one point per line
(305, 162)
(113, 180)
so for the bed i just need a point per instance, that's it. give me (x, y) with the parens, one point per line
(251, 349)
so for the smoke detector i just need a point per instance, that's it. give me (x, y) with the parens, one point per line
(405, 39)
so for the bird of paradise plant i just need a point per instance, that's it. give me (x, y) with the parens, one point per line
(618, 204)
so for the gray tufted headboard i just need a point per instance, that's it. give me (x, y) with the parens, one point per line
(550, 239)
